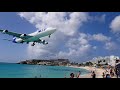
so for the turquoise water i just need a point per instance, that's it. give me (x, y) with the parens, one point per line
(8, 70)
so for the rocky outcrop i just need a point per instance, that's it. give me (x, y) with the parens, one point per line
(52, 62)
(22, 62)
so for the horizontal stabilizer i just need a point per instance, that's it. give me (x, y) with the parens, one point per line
(7, 39)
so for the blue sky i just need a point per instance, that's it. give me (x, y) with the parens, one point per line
(11, 52)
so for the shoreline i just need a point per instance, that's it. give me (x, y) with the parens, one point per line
(98, 71)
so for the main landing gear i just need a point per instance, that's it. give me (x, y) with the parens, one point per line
(33, 44)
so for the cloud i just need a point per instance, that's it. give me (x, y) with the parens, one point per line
(111, 46)
(94, 47)
(100, 18)
(63, 42)
(115, 24)
(57, 19)
(101, 37)
(77, 54)
(67, 41)
(78, 48)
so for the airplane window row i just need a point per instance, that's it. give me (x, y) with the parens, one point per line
(41, 30)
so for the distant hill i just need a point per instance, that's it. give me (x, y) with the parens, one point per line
(51, 62)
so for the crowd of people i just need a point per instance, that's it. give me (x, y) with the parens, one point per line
(109, 72)
(72, 75)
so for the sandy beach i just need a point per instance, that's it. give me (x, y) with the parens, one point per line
(98, 71)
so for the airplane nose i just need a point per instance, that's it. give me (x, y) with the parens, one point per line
(54, 29)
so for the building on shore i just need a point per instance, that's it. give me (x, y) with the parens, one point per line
(107, 60)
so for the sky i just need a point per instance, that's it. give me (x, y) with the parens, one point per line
(80, 36)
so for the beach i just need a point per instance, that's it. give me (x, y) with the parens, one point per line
(98, 71)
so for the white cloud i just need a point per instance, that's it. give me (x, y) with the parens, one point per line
(67, 42)
(63, 42)
(98, 18)
(111, 46)
(94, 47)
(70, 21)
(77, 53)
(115, 24)
(101, 37)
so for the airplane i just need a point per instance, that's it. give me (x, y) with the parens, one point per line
(32, 37)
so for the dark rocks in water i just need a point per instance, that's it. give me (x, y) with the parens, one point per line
(22, 62)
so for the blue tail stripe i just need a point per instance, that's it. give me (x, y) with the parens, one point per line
(14, 40)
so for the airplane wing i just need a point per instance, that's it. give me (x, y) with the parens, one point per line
(15, 34)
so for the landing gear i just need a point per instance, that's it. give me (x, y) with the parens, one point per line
(33, 44)
(46, 43)
(43, 41)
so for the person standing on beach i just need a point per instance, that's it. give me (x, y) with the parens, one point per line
(108, 76)
(117, 72)
(108, 69)
(111, 72)
(72, 75)
(103, 75)
(93, 75)
(78, 75)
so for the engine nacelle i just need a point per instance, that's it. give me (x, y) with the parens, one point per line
(23, 35)
(42, 41)
(18, 40)
(5, 31)
(45, 42)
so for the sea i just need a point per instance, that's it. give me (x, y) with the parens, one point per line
(12, 70)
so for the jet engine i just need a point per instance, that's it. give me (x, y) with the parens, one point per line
(4, 31)
(45, 43)
(23, 35)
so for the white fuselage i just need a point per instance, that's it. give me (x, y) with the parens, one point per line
(36, 35)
